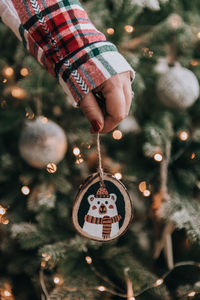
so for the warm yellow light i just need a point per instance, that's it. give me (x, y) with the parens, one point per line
(45, 120)
(101, 288)
(159, 282)
(146, 193)
(44, 255)
(56, 280)
(43, 264)
(76, 151)
(2, 211)
(30, 115)
(142, 186)
(193, 155)
(8, 71)
(7, 293)
(117, 135)
(79, 161)
(110, 31)
(88, 259)
(194, 62)
(198, 35)
(51, 168)
(118, 175)
(183, 135)
(191, 294)
(158, 157)
(129, 28)
(47, 257)
(5, 221)
(25, 190)
(5, 80)
(17, 92)
(24, 72)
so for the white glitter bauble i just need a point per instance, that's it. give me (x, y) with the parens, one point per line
(178, 87)
(42, 141)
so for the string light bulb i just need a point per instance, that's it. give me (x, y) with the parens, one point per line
(101, 288)
(24, 72)
(158, 157)
(51, 168)
(194, 63)
(88, 260)
(159, 282)
(45, 120)
(18, 92)
(79, 160)
(129, 28)
(142, 186)
(8, 71)
(110, 31)
(118, 175)
(146, 193)
(193, 155)
(7, 293)
(191, 294)
(183, 135)
(25, 190)
(2, 210)
(117, 135)
(76, 151)
(5, 80)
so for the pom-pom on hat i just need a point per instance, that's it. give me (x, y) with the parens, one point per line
(102, 192)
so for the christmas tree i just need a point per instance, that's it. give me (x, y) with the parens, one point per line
(155, 152)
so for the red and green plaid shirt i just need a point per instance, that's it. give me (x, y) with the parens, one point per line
(59, 34)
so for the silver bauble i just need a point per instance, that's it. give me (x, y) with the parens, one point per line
(42, 141)
(178, 87)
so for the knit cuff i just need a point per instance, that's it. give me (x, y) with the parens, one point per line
(90, 67)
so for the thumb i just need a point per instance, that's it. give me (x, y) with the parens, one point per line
(92, 112)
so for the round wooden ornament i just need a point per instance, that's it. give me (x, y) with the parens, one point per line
(102, 210)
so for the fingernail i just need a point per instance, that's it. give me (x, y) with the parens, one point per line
(95, 125)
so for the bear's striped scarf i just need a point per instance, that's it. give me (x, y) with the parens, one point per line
(106, 221)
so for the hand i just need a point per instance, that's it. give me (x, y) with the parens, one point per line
(118, 94)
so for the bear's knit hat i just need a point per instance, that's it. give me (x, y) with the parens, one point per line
(102, 192)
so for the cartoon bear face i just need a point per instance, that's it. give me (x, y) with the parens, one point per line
(100, 207)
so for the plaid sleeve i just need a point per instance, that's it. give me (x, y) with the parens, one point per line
(59, 34)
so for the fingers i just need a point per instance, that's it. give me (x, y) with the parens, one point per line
(92, 112)
(118, 94)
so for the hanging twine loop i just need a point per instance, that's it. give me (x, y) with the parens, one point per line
(100, 169)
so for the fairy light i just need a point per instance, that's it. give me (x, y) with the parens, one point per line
(7, 293)
(110, 31)
(5, 80)
(158, 282)
(79, 161)
(193, 155)
(8, 71)
(51, 168)
(101, 288)
(45, 120)
(146, 193)
(183, 135)
(2, 210)
(88, 260)
(117, 134)
(158, 157)
(30, 115)
(142, 186)
(194, 63)
(43, 264)
(76, 151)
(198, 35)
(56, 280)
(18, 92)
(25, 190)
(24, 72)
(5, 221)
(191, 294)
(118, 175)
(129, 28)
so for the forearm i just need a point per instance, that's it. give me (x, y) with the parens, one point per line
(62, 38)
